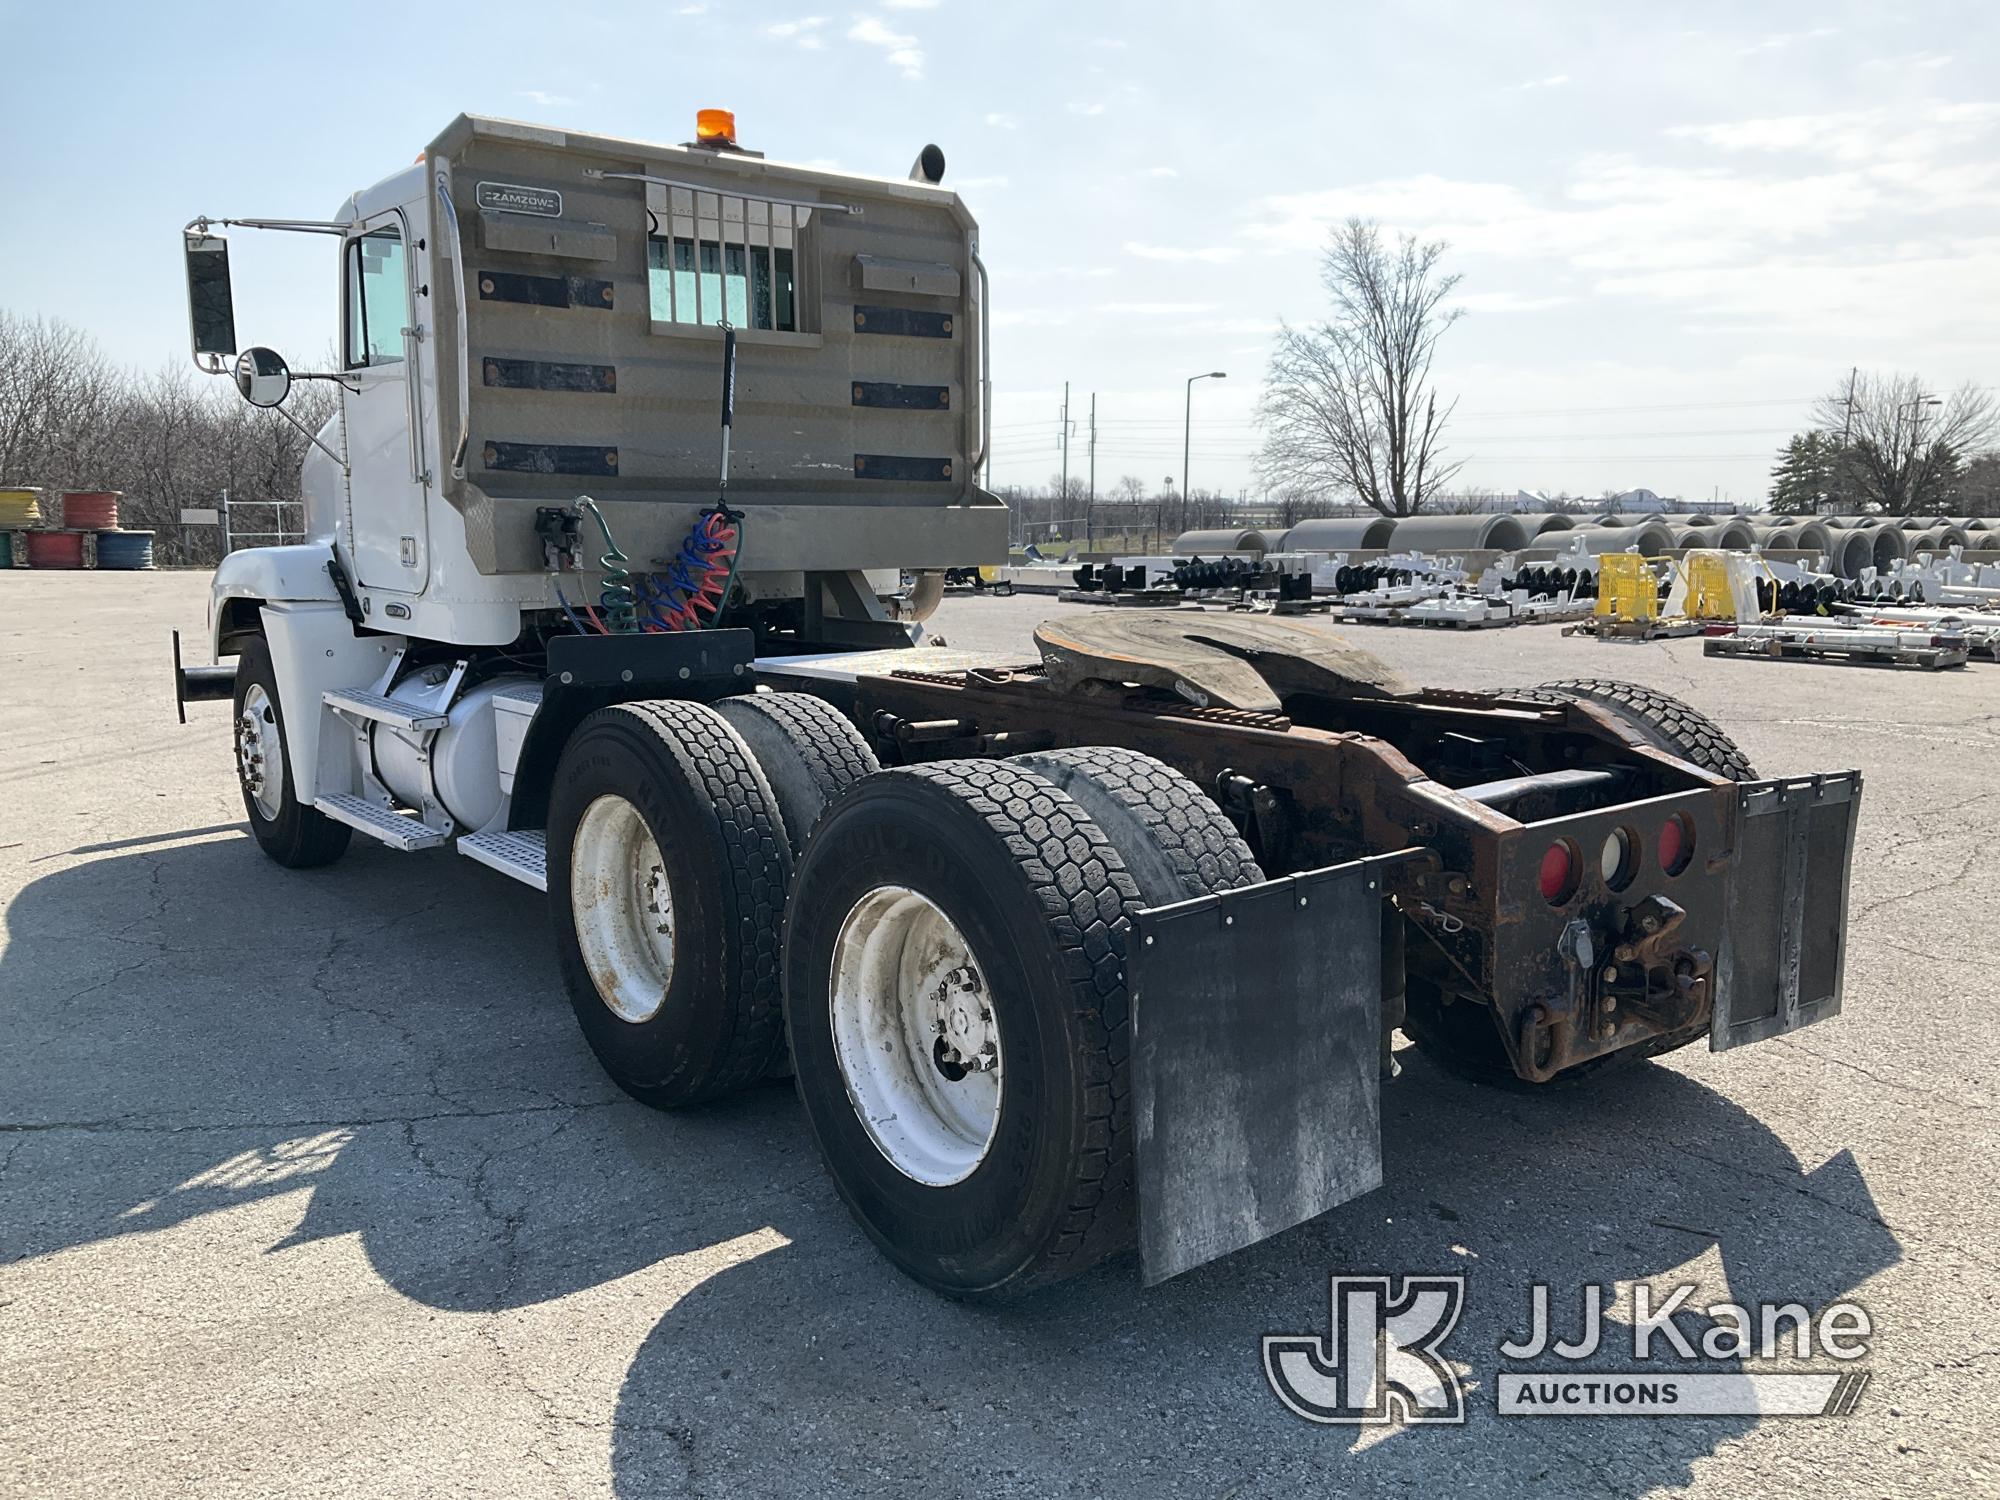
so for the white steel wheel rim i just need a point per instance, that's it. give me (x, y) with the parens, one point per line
(260, 757)
(910, 1008)
(622, 906)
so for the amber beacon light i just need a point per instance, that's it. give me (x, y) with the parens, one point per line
(715, 127)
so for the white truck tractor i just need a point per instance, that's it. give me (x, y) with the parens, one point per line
(646, 467)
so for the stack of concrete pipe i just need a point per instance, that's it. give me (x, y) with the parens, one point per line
(1791, 534)
(1651, 538)
(1222, 542)
(1495, 532)
(1732, 535)
(1856, 548)
(1338, 534)
(1938, 539)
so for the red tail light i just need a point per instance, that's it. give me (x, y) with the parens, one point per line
(1676, 844)
(1559, 872)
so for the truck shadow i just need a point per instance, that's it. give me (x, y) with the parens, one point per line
(823, 1353)
(193, 1031)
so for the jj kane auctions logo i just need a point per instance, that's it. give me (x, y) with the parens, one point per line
(1381, 1359)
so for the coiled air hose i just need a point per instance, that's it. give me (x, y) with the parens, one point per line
(616, 596)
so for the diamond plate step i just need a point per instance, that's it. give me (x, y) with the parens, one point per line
(397, 830)
(523, 854)
(366, 705)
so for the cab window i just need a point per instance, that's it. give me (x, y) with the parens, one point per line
(378, 298)
(715, 257)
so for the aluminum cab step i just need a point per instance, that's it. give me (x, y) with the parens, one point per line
(366, 705)
(523, 854)
(397, 830)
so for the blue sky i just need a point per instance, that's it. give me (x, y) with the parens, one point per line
(1676, 225)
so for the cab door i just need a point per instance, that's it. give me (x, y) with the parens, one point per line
(383, 354)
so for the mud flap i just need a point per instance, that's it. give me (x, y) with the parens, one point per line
(1785, 945)
(1256, 1060)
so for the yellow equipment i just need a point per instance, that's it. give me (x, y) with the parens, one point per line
(1627, 591)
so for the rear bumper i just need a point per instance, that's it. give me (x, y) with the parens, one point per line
(1258, 1015)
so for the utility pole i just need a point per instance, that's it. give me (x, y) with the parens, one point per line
(1846, 433)
(1064, 440)
(1090, 505)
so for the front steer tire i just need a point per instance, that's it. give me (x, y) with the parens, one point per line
(1042, 900)
(298, 837)
(672, 969)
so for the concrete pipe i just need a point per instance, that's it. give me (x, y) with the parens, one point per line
(1889, 544)
(1860, 548)
(1340, 534)
(1538, 523)
(1813, 536)
(1218, 541)
(920, 603)
(1495, 533)
(1652, 539)
(1733, 535)
(1913, 523)
(1849, 523)
(1937, 542)
(1779, 538)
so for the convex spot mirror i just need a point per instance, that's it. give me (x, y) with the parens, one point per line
(263, 377)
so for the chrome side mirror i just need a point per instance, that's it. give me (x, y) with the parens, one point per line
(263, 377)
(211, 305)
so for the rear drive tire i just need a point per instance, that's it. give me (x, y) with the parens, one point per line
(967, 904)
(296, 836)
(1663, 721)
(667, 867)
(809, 750)
(1175, 840)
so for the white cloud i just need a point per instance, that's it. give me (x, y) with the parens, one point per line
(909, 4)
(1778, 40)
(1553, 81)
(803, 33)
(1086, 108)
(1880, 134)
(1506, 302)
(700, 9)
(1003, 122)
(1785, 220)
(1155, 309)
(1178, 254)
(900, 50)
(1163, 171)
(545, 99)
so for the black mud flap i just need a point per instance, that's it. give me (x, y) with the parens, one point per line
(1256, 1060)
(1785, 945)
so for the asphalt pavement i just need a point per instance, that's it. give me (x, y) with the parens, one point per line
(309, 1186)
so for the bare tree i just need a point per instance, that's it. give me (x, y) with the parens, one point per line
(1348, 407)
(1903, 446)
(70, 419)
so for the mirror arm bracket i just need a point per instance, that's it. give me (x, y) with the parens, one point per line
(311, 436)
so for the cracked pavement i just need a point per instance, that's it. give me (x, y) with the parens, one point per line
(309, 1186)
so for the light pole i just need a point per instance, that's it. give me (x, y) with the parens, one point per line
(1187, 434)
(1915, 407)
